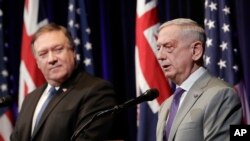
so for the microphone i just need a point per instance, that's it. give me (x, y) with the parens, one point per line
(149, 95)
(146, 96)
(6, 100)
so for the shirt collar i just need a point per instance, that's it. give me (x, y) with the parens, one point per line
(188, 83)
(49, 86)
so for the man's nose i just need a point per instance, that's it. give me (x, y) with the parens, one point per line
(52, 58)
(160, 54)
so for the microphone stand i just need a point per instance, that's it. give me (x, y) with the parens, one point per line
(148, 95)
(96, 116)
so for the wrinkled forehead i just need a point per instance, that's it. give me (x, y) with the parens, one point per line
(177, 32)
(170, 32)
(50, 40)
(50, 37)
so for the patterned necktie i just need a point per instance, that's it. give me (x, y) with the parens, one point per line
(173, 109)
(51, 93)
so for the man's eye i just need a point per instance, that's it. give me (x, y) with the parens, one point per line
(158, 47)
(166, 46)
(58, 50)
(42, 54)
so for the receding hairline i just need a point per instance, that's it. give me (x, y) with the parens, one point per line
(180, 22)
(186, 25)
(52, 27)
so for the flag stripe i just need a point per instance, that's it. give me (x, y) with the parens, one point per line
(6, 122)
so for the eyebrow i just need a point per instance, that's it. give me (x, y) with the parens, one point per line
(167, 43)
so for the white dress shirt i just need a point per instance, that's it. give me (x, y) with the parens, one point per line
(188, 83)
(40, 104)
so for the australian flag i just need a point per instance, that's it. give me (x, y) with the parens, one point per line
(222, 54)
(78, 26)
(147, 24)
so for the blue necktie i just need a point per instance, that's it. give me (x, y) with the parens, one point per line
(173, 110)
(51, 93)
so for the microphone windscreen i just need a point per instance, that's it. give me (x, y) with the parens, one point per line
(152, 93)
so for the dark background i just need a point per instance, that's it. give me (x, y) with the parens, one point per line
(112, 24)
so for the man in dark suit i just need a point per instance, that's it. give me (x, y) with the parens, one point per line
(206, 106)
(77, 96)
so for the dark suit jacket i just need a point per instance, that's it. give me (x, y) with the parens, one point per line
(78, 99)
(207, 112)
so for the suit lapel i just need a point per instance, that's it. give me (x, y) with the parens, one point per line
(163, 116)
(58, 97)
(32, 99)
(192, 96)
(62, 92)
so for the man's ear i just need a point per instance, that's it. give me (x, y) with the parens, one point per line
(197, 49)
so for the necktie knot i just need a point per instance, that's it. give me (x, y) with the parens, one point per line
(52, 91)
(177, 94)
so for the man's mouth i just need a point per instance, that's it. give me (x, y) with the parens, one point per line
(166, 67)
(54, 67)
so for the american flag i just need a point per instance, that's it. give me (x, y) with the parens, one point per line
(148, 71)
(6, 120)
(222, 55)
(78, 26)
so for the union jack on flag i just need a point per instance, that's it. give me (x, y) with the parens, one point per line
(222, 56)
(30, 76)
(147, 24)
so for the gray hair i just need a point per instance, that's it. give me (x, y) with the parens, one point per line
(191, 29)
(188, 26)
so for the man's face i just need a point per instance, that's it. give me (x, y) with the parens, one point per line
(174, 54)
(54, 57)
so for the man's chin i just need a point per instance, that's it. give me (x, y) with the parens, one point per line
(56, 76)
(169, 75)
